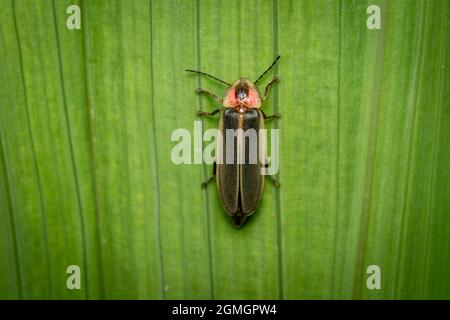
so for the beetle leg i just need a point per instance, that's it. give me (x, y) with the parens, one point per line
(209, 94)
(274, 181)
(205, 183)
(276, 115)
(203, 113)
(269, 85)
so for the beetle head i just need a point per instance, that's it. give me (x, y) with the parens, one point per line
(242, 94)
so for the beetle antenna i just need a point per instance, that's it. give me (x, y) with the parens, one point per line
(268, 69)
(210, 76)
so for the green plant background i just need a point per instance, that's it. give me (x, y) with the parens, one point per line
(85, 172)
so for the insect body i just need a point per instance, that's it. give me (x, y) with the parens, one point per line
(240, 182)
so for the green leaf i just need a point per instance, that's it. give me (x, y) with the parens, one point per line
(86, 178)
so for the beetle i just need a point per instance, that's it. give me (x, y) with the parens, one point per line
(240, 184)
